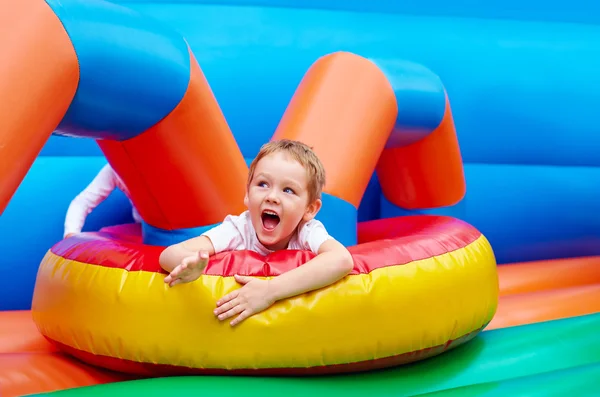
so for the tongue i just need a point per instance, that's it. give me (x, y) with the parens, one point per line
(270, 222)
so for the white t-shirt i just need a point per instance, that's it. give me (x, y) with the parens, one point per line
(237, 233)
(97, 191)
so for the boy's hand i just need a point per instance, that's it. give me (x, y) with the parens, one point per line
(189, 270)
(254, 297)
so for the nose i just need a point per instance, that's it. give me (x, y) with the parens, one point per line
(272, 197)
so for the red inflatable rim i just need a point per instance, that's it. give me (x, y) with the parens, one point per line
(382, 243)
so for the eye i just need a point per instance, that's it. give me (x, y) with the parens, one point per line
(261, 184)
(288, 190)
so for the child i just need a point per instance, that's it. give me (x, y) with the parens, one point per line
(97, 191)
(282, 196)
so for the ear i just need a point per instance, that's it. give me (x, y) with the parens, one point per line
(246, 200)
(312, 210)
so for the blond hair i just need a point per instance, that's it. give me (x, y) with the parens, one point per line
(303, 154)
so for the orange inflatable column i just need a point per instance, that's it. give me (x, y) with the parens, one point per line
(421, 166)
(143, 97)
(38, 79)
(186, 173)
(345, 109)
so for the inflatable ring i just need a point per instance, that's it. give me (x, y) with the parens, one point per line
(424, 284)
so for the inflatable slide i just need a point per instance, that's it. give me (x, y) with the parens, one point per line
(450, 294)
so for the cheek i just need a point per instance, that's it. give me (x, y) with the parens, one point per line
(254, 198)
(295, 207)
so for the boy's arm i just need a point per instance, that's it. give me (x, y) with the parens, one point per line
(332, 263)
(82, 205)
(220, 238)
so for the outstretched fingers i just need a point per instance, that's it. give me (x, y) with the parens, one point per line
(189, 270)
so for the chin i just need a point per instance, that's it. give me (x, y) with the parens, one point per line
(269, 242)
(272, 242)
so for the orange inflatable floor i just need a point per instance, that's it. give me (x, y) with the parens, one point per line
(539, 291)
(529, 293)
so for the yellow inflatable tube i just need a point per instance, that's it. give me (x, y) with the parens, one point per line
(422, 285)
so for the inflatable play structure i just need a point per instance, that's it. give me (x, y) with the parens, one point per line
(471, 276)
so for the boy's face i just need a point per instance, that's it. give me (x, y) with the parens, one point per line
(278, 199)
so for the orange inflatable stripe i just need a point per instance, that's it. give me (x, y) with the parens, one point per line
(345, 109)
(187, 170)
(546, 305)
(426, 174)
(534, 276)
(19, 334)
(26, 373)
(39, 73)
(29, 363)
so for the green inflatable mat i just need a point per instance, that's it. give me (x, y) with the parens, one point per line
(577, 381)
(495, 362)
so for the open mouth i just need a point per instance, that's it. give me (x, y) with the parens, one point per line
(270, 219)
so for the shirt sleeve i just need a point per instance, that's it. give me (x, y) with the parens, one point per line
(227, 236)
(313, 234)
(83, 204)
